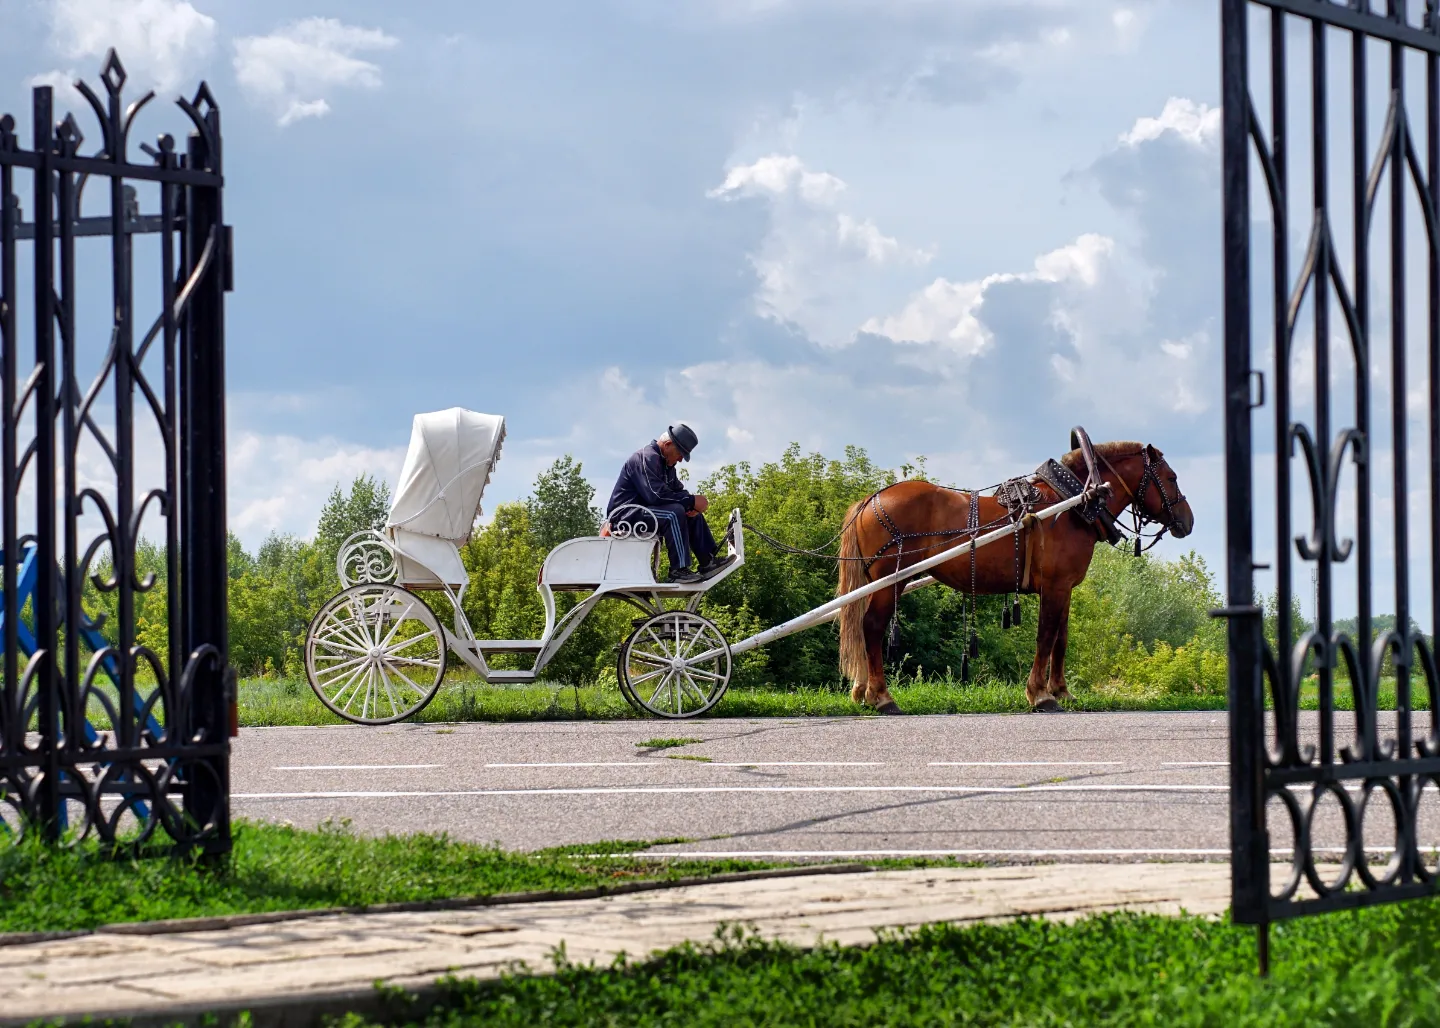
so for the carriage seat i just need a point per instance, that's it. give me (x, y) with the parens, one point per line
(592, 561)
(426, 562)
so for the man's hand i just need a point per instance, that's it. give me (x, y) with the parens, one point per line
(700, 505)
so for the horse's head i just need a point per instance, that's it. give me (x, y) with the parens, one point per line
(1157, 495)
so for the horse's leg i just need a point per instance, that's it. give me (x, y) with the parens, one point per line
(877, 623)
(1036, 689)
(1056, 686)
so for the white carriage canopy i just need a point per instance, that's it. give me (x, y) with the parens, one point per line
(452, 453)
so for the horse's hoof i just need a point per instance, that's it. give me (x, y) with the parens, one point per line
(1047, 706)
(889, 708)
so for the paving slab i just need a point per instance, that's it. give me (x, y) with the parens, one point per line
(289, 973)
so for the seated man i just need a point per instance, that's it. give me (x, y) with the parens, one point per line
(648, 480)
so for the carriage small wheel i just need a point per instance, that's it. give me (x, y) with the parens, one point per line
(375, 654)
(675, 664)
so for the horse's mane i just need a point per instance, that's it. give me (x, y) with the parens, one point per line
(1075, 459)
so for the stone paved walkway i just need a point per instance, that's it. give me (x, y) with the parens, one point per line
(290, 971)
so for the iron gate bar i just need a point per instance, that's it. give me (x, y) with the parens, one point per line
(166, 758)
(1391, 773)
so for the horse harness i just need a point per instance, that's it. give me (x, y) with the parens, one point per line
(1019, 497)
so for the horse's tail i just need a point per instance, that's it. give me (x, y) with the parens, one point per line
(854, 661)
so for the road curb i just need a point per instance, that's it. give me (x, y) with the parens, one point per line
(227, 921)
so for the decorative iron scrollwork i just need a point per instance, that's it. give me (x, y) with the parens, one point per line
(105, 731)
(365, 558)
(1333, 794)
(632, 521)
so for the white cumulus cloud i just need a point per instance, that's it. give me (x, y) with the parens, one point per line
(1196, 123)
(160, 42)
(949, 312)
(776, 175)
(817, 266)
(290, 69)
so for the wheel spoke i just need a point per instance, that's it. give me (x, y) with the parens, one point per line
(331, 642)
(659, 688)
(698, 691)
(690, 646)
(337, 668)
(405, 644)
(354, 677)
(406, 679)
(664, 648)
(705, 674)
(399, 620)
(649, 658)
(345, 629)
(389, 692)
(634, 680)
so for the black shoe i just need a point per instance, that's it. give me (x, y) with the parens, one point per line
(682, 576)
(716, 566)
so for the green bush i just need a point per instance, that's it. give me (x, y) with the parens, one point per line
(1144, 621)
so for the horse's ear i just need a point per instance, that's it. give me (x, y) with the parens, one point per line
(1153, 452)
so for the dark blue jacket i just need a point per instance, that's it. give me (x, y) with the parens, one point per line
(647, 480)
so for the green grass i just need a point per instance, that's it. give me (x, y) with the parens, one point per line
(275, 867)
(1371, 968)
(277, 702)
(666, 744)
(267, 702)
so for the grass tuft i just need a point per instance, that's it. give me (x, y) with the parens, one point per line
(665, 744)
(688, 756)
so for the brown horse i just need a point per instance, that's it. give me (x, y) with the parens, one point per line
(910, 521)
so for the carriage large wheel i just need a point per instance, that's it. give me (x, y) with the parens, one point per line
(375, 654)
(675, 665)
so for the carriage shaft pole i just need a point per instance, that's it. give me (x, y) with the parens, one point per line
(831, 610)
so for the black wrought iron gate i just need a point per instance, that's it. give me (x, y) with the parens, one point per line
(113, 447)
(1342, 376)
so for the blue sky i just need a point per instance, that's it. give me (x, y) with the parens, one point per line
(941, 227)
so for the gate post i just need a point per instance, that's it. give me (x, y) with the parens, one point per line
(46, 681)
(203, 545)
(1249, 863)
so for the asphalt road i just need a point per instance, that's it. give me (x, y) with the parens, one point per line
(1000, 787)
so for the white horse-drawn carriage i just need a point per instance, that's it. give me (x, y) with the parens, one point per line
(376, 652)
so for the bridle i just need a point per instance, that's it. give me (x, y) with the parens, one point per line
(1141, 517)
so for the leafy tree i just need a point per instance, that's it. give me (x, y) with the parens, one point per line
(562, 505)
(365, 507)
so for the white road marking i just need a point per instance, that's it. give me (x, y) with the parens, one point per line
(1026, 763)
(681, 789)
(587, 763)
(1195, 763)
(797, 763)
(356, 767)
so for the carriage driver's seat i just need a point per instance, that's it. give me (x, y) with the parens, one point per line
(592, 561)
